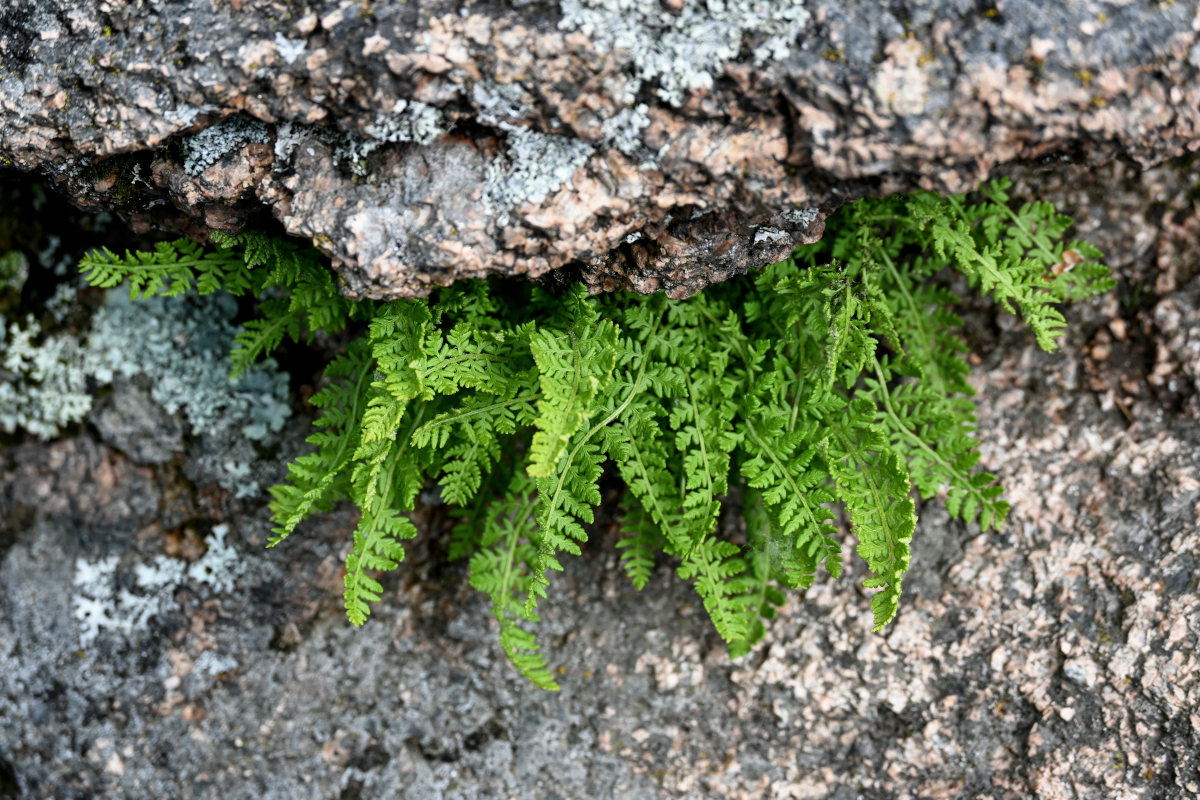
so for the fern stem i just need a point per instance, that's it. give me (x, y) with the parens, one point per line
(451, 419)
(359, 396)
(927, 338)
(700, 437)
(521, 514)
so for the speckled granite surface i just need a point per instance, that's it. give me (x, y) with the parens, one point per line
(636, 143)
(1054, 659)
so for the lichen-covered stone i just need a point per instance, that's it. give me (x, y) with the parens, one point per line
(653, 145)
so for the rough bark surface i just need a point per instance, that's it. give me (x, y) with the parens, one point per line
(652, 145)
(1056, 658)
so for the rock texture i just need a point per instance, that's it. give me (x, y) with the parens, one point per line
(632, 143)
(150, 646)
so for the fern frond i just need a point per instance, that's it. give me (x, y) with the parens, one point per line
(638, 548)
(938, 438)
(573, 365)
(766, 553)
(567, 497)
(171, 269)
(385, 481)
(873, 483)
(714, 567)
(502, 569)
(636, 443)
(787, 470)
(259, 337)
(312, 476)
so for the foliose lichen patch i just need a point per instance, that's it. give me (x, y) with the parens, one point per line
(684, 49)
(104, 603)
(181, 345)
(211, 144)
(534, 165)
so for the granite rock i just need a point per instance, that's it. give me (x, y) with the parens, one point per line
(627, 144)
(151, 647)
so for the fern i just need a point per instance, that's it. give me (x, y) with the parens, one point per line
(573, 365)
(873, 482)
(169, 270)
(312, 477)
(503, 569)
(299, 293)
(833, 378)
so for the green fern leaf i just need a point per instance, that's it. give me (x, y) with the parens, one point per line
(873, 483)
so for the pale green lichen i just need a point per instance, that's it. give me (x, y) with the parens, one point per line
(683, 52)
(105, 603)
(212, 144)
(533, 166)
(43, 380)
(180, 344)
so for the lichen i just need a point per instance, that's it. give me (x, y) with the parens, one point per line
(683, 52)
(772, 235)
(43, 380)
(801, 217)
(499, 102)
(212, 144)
(624, 129)
(105, 603)
(180, 344)
(533, 165)
(408, 121)
(289, 49)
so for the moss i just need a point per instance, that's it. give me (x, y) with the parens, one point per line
(115, 177)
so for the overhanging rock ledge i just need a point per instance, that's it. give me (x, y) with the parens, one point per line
(626, 143)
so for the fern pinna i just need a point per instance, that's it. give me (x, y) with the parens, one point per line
(832, 378)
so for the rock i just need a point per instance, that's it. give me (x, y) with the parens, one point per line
(130, 420)
(1082, 671)
(228, 671)
(624, 143)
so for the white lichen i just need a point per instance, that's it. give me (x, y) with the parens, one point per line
(102, 602)
(801, 217)
(624, 129)
(771, 235)
(181, 345)
(43, 380)
(220, 566)
(533, 166)
(408, 121)
(213, 143)
(499, 102)
(683, 52)
(289, 49)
